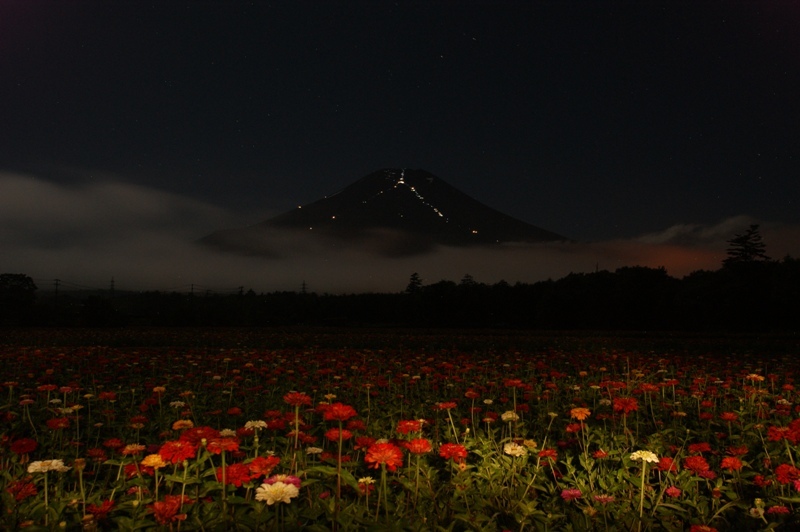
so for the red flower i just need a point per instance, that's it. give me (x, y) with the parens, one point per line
(132, 471)
(446, 406)
(177, 451)
(786, 473)
(23, 446)
(781, 510)
(696, 464)
(699, 448)
(409, 425)
(297, 399)
(262, 466)
(100, 512)
(777, 433)
(702, 528)
(235, 474)
(665, 463)
(339, 412)
(363, 442)
(548, 453)
(333, 434)
(625, 405)
(731, 463)
(384, 453)
(217, 445)
(167, 511)
(196, 435)
(419, 446)
(97, 454)
(113, 443)
(453, 450)
(22, 489)
(58, 423)
(761, 482)
(729, 416)
(356, 424)
(738, 451)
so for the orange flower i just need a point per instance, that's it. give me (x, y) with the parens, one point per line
(580, 413)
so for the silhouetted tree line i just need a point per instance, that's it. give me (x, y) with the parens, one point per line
(749, 292)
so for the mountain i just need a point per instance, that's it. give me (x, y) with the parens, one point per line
(392, 211)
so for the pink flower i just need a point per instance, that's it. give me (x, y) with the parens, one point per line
(571, 494)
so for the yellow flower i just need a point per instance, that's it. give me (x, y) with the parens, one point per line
(530, 444)
(154, 460)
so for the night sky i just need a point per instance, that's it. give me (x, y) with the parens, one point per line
(604, 121)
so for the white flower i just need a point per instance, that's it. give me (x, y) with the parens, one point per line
(510, 415)
(514, 449)
(645, 456)
(43, 466)
(258, 424)
(278, 492)
(313, 450)
(366, 480)
(177, 404)
(227, 433)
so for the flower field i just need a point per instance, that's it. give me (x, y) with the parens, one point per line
(221, 430)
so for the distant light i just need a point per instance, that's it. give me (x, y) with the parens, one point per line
(474, 232)
(333, 217)
(299, 206)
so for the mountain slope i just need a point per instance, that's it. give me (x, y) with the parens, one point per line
(402, 211)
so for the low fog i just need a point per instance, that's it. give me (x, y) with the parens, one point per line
(144, 239)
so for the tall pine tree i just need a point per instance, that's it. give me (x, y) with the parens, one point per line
(747, 247)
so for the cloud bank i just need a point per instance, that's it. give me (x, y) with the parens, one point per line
(144, 238)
